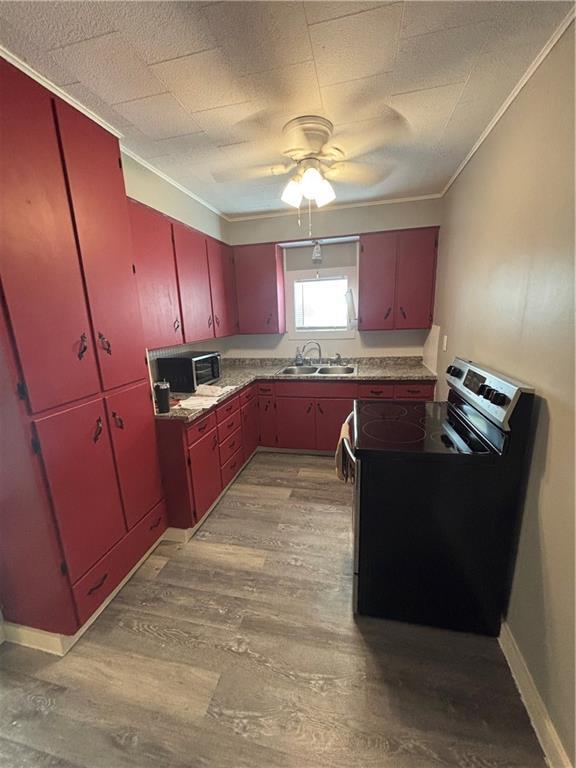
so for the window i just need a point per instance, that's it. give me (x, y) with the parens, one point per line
(320, 304)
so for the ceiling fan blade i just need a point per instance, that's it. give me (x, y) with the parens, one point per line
(256, 172)
(365, 136)
(357, 173)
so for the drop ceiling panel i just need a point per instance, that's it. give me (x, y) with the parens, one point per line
(159, 117)
(256, 36)
(110, 68)
(202, 81)
(202, 89)
(356, 46)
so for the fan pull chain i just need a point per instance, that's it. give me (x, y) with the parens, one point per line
(309, 218)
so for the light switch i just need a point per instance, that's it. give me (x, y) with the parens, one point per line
(444, 343)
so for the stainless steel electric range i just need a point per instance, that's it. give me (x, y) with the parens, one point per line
(438, 496)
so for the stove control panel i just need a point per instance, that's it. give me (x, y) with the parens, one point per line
(491, 393)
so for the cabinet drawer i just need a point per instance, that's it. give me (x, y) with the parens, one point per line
(376, 390)
(418, 391)
(265, 387)
(316, 388)
(229, 447)
(95, 586)
(232, 467)
(248, 394)
(199, 428)
(226, 428)
(226, 409)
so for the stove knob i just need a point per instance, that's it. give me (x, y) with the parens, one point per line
(481, 389)
(488, 392)
(499, 398)
(453, 370)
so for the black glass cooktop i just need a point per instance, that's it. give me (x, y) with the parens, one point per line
(413, 427)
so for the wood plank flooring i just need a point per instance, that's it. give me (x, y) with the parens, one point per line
(239, 649)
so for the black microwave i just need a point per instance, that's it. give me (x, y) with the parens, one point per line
(186, 372)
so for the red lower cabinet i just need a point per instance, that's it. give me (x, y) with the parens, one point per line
(231, 468)
(204, 460)
(104, 577)
(331, 413)
(296, 422)
(250, 429)
(267, 419)
(77, 455)
(131, 421)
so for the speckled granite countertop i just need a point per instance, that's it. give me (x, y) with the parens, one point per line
(239, 372)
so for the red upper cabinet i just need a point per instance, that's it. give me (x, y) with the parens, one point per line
(377, 281)
(222, 287)
(193, 282)
(260, 288)
(132, 427)
(40, 268)
(416, 274)
(77, 455)
(100, 209)
(155, 276)
(204, 462)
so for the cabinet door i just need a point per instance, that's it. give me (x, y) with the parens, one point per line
(416, 277)
(220, 264)
(230, 287)
(250, 430)
(260, 288)
(100, 208)
(205, 473)
(377, 281)
(267, 421)
(296, 422)
(41, 276)
(155, 277)
(77, 455)
(132, 426)
(193, 283)
(330, 415)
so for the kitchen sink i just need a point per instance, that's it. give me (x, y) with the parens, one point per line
(299, 370)
(337, 370)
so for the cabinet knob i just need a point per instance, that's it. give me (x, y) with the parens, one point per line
(404, 315)
(104, 343)
(387, 315)
(210, 321)
(118, 420)
(97, 430)
(217, 319)
(176, 324)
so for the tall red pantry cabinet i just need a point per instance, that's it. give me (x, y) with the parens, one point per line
(81, 496)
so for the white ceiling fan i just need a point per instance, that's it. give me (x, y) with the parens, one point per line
(313, 160)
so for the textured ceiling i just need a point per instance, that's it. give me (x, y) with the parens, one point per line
(203, 89)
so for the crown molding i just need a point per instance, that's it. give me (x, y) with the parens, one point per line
(231, 218)
(513, 95)
(165, 177)
(50, 86)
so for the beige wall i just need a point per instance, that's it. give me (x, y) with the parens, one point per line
(151, 189)
(336, 221)
(505, 293)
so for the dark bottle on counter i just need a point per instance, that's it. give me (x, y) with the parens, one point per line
(162, 394)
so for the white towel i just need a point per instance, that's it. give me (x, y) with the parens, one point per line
(202, 399)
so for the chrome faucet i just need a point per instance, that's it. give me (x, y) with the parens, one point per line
(308, 343)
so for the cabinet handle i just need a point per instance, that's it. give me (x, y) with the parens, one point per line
(375, 391)
(203, 427)
(83, 346)
(156, 524)
(176, 324)
(98, 430)
(309, 408)
(215, 442)
(320, 408)
(265, 390)
(387, 315)
(210, 322)
(413, 391)
(269, 319)
(230, 424)
(98, 584)
(233, 443)
(217, 319)
(404, 315)
(118, 420)
(104, 343)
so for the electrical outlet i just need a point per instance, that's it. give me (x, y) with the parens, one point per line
(444, 343)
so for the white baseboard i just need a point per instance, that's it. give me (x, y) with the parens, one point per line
(55, 643)
(556, 755)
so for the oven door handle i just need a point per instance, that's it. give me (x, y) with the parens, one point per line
(346, 442)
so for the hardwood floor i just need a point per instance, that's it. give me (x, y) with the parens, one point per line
(239, 650)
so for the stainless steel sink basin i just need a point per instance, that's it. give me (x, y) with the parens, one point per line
(299, 370)
(336, 370)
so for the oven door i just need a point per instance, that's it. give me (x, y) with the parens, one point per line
(349, 448)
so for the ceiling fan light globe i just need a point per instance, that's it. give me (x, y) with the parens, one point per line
(324, 194)
(311, 182)
(292, 194)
